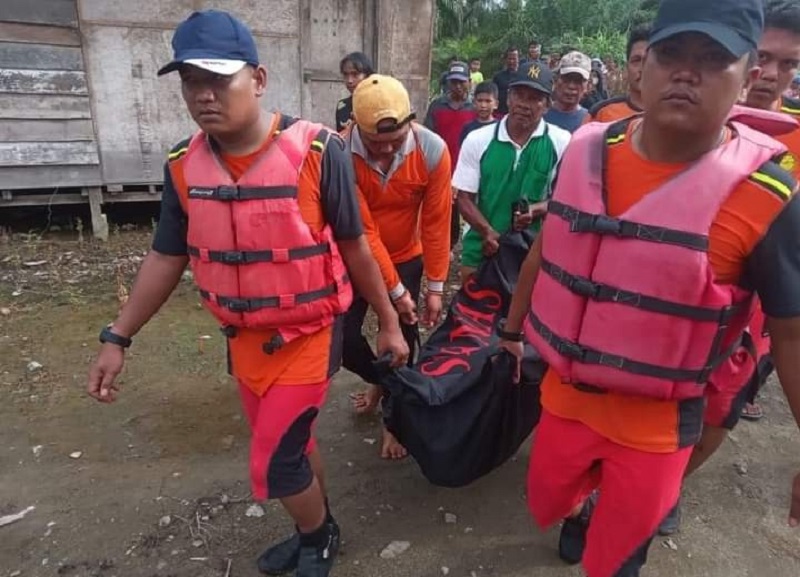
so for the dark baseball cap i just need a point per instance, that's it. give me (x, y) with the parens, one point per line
(212, 40)
(534, 75)
(458, 71)
(735, 24)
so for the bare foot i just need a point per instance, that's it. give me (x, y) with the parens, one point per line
(392, 449)
(367, 401)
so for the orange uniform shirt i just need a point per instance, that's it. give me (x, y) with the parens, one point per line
(638, 422)
(406, 212)
(611, 110)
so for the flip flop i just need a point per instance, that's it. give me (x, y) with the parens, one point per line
(752, 412)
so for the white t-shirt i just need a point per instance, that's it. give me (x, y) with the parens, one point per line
(467, 177)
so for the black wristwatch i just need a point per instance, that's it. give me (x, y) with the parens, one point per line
(109, 336)
(507, 336)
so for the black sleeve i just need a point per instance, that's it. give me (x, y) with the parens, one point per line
(170, 236)
(773, 268)
(338, 191)
(344, 112)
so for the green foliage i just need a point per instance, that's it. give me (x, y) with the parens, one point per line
(485, 28)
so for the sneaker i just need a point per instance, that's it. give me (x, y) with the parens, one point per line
(572, 541)
(672, 523)
(318, 561)
(281, 558)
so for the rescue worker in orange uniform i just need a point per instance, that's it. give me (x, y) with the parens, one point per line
(660, 231)
(733, 394)
(264, 209)
(403, 174)
(627, 105)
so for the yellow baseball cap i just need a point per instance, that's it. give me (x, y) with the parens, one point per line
(378, 98)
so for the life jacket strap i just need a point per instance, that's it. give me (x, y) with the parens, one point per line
(601, 292)
(587, 356)
(246, 305)
(231, 193)
(602, 224)
(238, 257)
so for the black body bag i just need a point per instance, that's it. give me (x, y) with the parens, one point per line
(457, 411)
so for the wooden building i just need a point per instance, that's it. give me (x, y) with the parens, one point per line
(84, 118)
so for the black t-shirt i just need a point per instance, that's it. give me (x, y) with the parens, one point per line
(344, 113)
(773, 268)
(503, 79)
(337, 185)
(474, 125)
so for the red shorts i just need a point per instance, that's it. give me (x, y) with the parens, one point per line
(637, 489)
(727, 390)
(282, 423)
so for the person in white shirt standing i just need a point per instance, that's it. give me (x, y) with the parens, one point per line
(505, 170)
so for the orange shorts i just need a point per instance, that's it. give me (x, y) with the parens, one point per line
(282, 423)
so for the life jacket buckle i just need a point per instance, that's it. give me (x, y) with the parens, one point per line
(239, 306)
(228, 192)
(571, 350)
(583, 287)
(232, 257)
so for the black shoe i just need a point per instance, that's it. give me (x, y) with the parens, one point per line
(281, 558)
(672, 523)
(572, 541)
(317, 561)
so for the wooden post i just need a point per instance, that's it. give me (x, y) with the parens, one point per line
(99, 222)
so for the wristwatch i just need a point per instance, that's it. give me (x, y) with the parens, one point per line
(109, 336)
(507, 336)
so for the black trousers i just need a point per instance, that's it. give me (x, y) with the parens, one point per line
(358, 356)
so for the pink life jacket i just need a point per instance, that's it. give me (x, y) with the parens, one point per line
(630, 304)
(255, 260)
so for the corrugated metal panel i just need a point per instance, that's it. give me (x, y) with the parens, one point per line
(46, 132)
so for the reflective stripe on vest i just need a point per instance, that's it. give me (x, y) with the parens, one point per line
(629, 304)
(256, 261)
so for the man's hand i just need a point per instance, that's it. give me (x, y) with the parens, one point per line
(516, 349)
(104, 371)
(407, 309)
(491, 243)
(794, 510)
(391, 341)
(535, 212)
(433, 310)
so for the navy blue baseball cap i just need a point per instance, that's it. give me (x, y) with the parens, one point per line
(212, 40)
(534, 75)
(735, 24)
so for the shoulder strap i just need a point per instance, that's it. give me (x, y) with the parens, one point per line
(175, 167)
(773, 178)
(790, 106)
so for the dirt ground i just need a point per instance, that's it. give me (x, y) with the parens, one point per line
(155, 484)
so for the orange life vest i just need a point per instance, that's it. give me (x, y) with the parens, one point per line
(255, 261)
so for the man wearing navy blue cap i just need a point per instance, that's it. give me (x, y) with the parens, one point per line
(264, 209)
(623, 400)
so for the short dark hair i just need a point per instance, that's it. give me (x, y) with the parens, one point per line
(358, 60)
(636, 35)
(511, 49)
(487, 87)
(475, 59)
(534, 42)
(783, 15)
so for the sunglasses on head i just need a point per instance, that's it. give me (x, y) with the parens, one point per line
(386, 128)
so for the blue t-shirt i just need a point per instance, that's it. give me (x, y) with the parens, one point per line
(569, 121)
